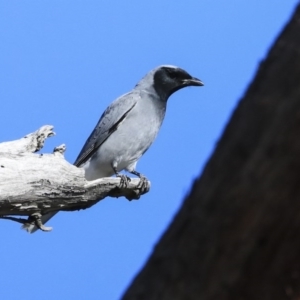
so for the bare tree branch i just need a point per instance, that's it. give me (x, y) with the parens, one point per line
(36, 184)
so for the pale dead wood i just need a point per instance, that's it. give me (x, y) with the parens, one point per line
(35, 184)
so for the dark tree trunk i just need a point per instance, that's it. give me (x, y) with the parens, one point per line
(237, 235)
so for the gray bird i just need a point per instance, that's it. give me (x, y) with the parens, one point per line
(129, 126)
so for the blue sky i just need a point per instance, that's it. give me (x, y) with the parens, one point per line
(62, 63)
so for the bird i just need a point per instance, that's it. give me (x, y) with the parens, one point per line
(128, 127)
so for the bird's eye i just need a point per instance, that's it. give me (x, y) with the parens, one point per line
(172, 73)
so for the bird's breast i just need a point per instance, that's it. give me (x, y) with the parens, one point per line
(132, 138)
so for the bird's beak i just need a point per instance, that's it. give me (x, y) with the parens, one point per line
(193, 82)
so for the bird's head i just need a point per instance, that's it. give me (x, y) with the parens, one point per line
(168, 79)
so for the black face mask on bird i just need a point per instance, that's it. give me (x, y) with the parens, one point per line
(168, 80)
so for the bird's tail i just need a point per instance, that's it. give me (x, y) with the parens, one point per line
(31, 228)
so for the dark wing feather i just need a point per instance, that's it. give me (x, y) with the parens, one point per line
(107, 124)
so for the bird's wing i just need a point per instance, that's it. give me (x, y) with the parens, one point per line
(107, 124)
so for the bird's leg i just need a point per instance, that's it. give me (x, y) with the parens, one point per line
(143, 184)
(124, 180)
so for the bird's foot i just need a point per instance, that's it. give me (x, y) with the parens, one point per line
(124, 180)
(143, 185)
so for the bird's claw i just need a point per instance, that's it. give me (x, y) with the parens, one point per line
(124, 180)
(143, 184)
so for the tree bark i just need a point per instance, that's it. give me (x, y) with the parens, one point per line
(35, 184)
(237, 235)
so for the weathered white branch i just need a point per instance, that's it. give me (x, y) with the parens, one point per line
(31, 142)
(41, 183)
